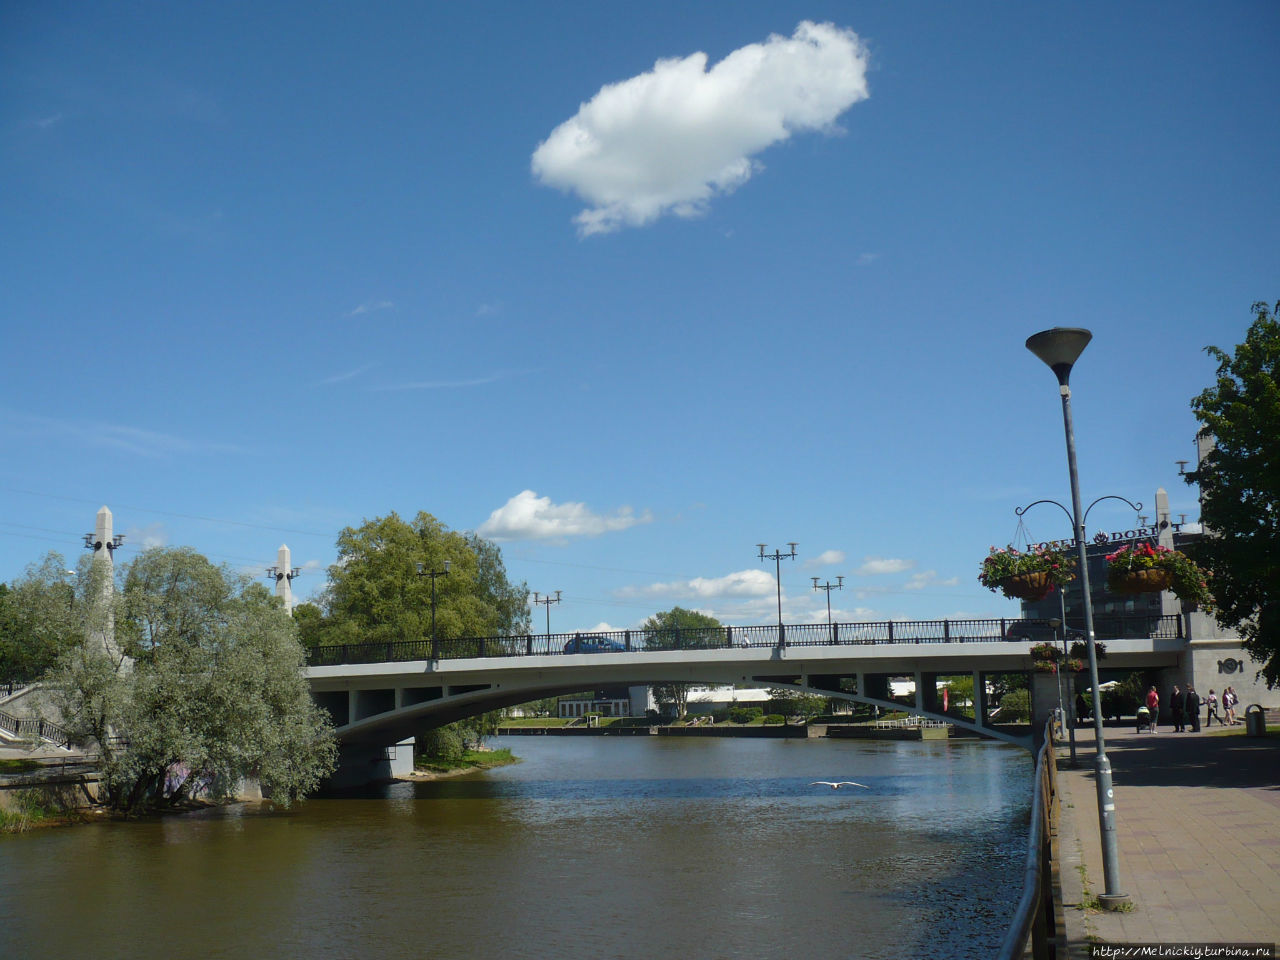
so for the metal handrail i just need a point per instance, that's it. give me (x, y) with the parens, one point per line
(34, 727)
(1035, 918)
(1006, 629)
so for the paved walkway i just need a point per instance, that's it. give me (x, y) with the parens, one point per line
(1198, 832)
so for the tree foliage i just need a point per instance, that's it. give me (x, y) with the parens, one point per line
(679, 629)
(214, 692)
(38, 619)
(375, 593)
(1240, 489)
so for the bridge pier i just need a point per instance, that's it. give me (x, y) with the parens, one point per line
(360, 764)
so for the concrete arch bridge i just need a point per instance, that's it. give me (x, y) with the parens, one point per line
(380, 694)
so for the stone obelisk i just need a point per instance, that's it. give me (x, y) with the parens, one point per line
(102, 622)
(284, 577)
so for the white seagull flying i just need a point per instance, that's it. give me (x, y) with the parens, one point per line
(838, 784)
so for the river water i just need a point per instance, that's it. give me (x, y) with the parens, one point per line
(592, 847)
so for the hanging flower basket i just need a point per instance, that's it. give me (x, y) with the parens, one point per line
(1027, 586)
(1025, 576)
(1142, 568)
(1139, 581)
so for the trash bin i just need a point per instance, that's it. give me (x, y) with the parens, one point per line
(1255, 722)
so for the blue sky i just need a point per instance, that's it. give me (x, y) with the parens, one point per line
(271, 269)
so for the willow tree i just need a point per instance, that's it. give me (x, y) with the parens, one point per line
(1239, 483)
(212, 692)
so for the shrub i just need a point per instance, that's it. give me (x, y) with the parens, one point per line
(775, 718)
(1015, 705)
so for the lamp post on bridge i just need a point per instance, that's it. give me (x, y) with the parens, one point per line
(777, 557)
(828, 587)
(547, 601)
(424, 572)
(1059, 348)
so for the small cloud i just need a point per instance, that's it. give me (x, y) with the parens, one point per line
(928, 578)
(825, 558)
(669, 140)
(743, 583)
(488, 309)
(348, 375)
(144, 538)
(865, 259)
(875, 566)
(526, 516)
(1192, 527)
(371, 306)
(44, 123)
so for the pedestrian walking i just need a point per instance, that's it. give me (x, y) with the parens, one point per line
(1193, 708)
(1229, 701)
(1153, 706)
(1211, 710)
(1177, 703)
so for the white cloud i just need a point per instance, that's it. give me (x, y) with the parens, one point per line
(875, 566)
(669, 140)
(371, 306)
(743, 583)
(144, 538)
(825, 558)
(928, 578)
(527, 516)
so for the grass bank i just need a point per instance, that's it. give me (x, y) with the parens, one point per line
(427, 768)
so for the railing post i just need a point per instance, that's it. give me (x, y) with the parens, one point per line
(891, 631)
(835, 633)
(782, 634)
(1004, 630)
(728, 636)
(528, 645)
(946, 631)
(482, 646)
(626, 640)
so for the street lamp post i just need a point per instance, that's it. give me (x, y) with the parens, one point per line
(547, 601)
(828, 587)
(424, 572)
(1059, 348)
(777, 557)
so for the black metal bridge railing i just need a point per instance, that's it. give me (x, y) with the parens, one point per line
(1007, 629)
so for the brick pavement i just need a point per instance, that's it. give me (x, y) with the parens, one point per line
(1198, 837)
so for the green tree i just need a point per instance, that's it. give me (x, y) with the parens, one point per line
(679, 629)
(1240, 489)
(38, 619)
(375, 594)
(215, 691)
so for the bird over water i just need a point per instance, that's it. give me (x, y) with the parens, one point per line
(837, 784)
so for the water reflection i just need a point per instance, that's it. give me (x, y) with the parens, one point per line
(636, 847)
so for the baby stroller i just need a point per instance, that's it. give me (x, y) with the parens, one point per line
(1145, 722)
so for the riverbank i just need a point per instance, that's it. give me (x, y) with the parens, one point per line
(472, 761)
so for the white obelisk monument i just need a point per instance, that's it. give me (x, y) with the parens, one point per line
(284, 574)
(102, 628)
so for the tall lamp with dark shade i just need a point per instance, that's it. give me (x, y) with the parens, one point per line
(1059, 348)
